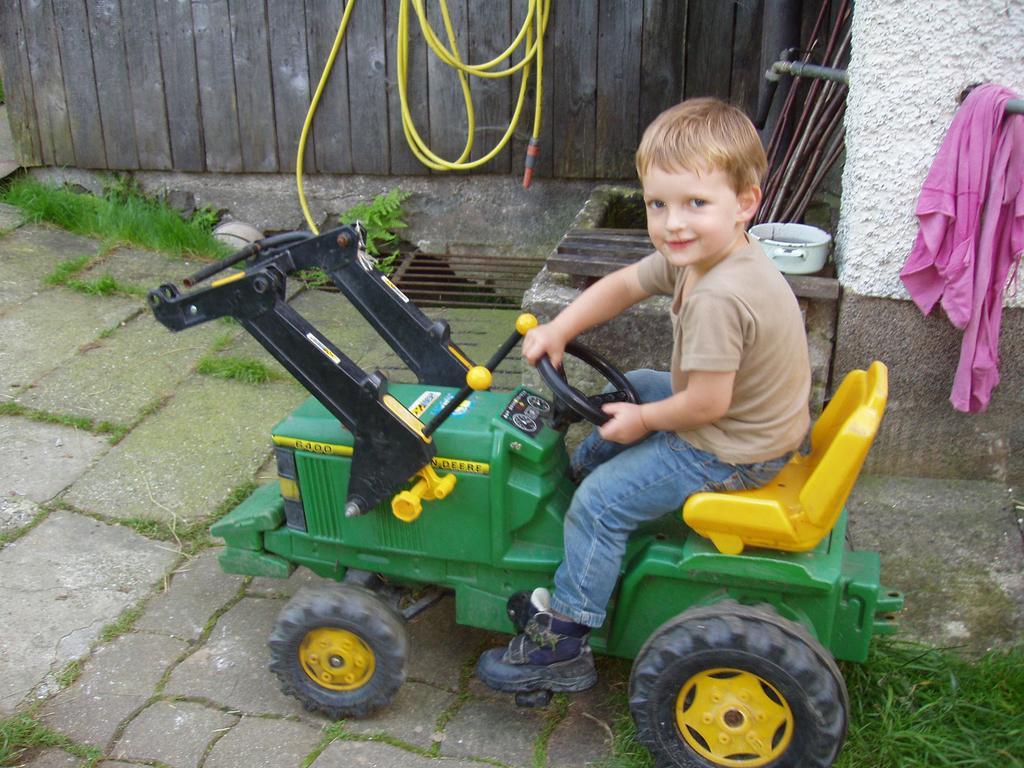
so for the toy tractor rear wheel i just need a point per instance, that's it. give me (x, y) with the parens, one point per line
(339, 650)
(734, 686)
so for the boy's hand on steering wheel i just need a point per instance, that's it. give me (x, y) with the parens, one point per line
(626, 424)
(544, 340)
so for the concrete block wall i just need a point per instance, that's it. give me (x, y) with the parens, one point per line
(910, 62)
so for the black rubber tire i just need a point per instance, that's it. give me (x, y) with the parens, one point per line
(353, 610)
(752, 639)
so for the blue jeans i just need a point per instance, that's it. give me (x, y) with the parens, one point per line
(625, 486)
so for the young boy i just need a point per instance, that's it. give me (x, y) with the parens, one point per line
(727, 416)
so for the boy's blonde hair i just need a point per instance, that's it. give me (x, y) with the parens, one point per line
(701, 135)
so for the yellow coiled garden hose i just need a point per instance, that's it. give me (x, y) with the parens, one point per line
(532, 31)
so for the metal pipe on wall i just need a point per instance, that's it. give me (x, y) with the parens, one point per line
(780, 31)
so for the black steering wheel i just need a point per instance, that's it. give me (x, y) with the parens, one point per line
(575, 402)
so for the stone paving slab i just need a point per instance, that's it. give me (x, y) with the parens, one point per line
(945, 543)
(263, 743)
(173, 733)
(584, 737)
(117, 680)
(60, 584)
(143, 269)
(371, 754)
(119, 377)
(16, 512)
(30, 253)
(47, 330)
(182, 463)
(262, 586)
(53, 758)
(230, 669)
(34, 249)
(411, 717)
(494, 728)
(442, 647)
(41, 460)
(193, 593)
(11, 216)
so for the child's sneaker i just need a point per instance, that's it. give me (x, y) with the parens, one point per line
(551, 654)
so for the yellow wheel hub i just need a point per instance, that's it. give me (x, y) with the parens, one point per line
(336, 658)
(734, 718)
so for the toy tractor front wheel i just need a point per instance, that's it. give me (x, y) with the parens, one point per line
(734, 686)
(339, 650)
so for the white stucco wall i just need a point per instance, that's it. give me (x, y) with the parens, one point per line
(910, 60)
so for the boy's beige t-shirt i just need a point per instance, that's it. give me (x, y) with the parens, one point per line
(741, 316)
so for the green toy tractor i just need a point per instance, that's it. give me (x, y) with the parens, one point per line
(403, 493)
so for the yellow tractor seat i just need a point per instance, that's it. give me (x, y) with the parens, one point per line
(801, 504)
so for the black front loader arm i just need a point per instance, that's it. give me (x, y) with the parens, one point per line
(425, 346)
(389, 443)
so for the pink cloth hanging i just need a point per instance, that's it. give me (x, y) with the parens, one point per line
(971, 216)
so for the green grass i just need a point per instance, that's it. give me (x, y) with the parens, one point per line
(554, 714)
(121, 624)
(66, 273)
(121, 216)
(331, 732)
(69, 673)
(116, 431)
(911, 707)
(223, 340)
(242, 369)
(22, 732)
(189, 536)
(148, 527)
(106, 285)
(67, 270)
(914, 706)
(314, 277)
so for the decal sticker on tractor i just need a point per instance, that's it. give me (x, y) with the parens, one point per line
(323, 348)
(424, 401)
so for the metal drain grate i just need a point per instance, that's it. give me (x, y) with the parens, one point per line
(442, 280)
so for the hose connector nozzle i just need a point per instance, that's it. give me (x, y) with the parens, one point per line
(532, 153)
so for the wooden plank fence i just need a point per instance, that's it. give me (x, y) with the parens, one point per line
(224, 85)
